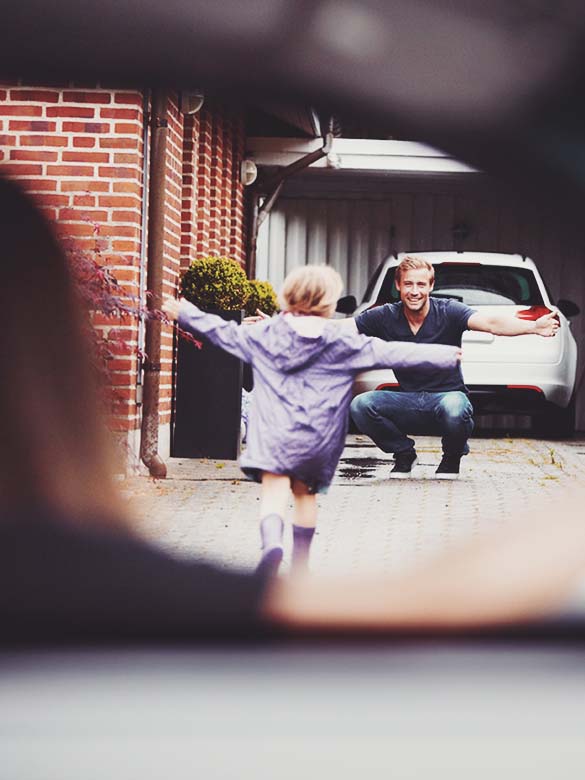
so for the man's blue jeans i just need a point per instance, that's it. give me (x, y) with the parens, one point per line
(387, 417)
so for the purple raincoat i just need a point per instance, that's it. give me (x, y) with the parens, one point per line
(302, 388)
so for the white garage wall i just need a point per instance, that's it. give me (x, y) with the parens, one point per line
(354, 233)
(353, 236)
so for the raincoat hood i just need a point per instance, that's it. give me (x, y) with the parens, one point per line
(289, 350)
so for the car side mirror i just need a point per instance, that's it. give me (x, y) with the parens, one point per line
(568, 308)
(346, 305)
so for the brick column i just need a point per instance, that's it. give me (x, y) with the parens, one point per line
(189, 194)
(237, 232)
(216, 184)
(204, 164)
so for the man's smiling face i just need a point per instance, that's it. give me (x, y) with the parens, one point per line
(414, 288)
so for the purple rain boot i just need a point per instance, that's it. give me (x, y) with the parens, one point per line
(271, 530)
(302, 538)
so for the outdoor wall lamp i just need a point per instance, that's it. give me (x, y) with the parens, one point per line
(192, 102)
(248, 172)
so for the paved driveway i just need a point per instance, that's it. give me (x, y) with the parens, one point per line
(367, 521)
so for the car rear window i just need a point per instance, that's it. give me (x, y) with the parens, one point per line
(475, 285)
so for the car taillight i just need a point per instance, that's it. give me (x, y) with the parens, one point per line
(533, 313)
(525, 387)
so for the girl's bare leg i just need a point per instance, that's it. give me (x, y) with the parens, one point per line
(275, 494)
(273, 502)
(304, 525)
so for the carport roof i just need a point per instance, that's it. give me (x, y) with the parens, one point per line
(350, 154)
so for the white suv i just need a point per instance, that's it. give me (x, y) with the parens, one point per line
(518, 374)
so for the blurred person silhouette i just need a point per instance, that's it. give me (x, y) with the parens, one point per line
(72, 568)
(70, 563)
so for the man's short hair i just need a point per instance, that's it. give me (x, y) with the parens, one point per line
(412, 263)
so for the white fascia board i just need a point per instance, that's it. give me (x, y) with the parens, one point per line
(299, 146)
(366, 147)
(358, 154)
(420, 164)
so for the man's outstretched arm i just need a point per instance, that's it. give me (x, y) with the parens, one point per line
(507, 325)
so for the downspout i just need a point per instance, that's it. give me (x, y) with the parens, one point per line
(154, 281)
(259, 213)
(143, 242)
(253, 208)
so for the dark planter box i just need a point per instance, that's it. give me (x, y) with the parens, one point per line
(208, 403)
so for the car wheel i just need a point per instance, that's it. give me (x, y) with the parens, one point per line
(555, 422)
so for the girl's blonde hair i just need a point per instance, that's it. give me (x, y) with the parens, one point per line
(311, 289)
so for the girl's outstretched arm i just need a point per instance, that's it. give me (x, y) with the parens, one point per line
(223, 333)
(376, 353)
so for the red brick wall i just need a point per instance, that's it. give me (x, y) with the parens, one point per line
(218, 224)
(202, 214)
(189, 195)
(80, 153)
(236, 226)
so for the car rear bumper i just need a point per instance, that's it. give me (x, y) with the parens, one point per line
(512, 400)
(495, 388)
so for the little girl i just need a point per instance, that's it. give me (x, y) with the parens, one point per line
(304, 366)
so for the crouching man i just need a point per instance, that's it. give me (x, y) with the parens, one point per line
(434, 403)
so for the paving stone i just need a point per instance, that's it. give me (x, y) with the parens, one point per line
(367, 522)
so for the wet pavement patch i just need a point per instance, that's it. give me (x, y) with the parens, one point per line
(360, 468)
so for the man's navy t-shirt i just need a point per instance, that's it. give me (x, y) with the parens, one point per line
(444, 324)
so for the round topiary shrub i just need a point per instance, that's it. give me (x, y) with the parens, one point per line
(216, 283)
(262, 297)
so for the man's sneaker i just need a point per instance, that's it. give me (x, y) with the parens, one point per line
(404, 462)
(448, 468)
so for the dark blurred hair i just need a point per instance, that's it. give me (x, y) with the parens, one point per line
(54, 451)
